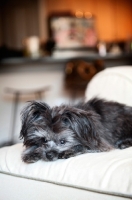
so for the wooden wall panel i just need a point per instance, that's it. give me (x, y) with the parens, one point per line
(106, 20)
(24, 18)
(19, 20)
(59, 5)
(1, 33)
(114, 17)
(123, 19)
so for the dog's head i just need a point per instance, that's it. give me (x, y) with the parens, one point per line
(36, 131)
(60, 132)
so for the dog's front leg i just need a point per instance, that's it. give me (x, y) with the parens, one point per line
(73, 151)
(124, 143)
(31, 154)
(66, 154)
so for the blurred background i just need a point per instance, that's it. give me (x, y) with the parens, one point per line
(50, 50)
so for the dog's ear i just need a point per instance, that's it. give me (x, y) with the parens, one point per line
(34, 112)
(88, 128)
(85, 124)
(78, 120)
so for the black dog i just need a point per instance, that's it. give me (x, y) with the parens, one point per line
(65, 131)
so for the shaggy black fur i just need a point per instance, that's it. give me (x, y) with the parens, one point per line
(65, 131)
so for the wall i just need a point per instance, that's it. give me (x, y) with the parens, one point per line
(19, 20)
(24, 18)
(114, 17)
(0, 29)
(27, 80)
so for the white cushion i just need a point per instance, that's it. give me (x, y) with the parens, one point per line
(112, 84)
(106, 175)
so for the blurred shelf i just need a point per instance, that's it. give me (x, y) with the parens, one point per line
(52, 63)
(50, 59)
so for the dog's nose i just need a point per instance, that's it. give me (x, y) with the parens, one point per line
(50, 155)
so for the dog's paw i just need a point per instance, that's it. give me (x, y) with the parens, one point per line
(65, 155)
(31, 156)
(123, 144)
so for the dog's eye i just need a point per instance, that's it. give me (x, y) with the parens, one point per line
(65, 121)
(44, 140)
(63, 141)
(36, 114)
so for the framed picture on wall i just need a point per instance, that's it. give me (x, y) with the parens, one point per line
(72, 32)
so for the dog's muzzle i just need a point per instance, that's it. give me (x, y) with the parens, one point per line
(51, 155)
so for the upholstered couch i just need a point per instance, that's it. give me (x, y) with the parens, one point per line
(93, 176)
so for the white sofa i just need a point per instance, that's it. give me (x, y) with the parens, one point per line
(93, 176)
